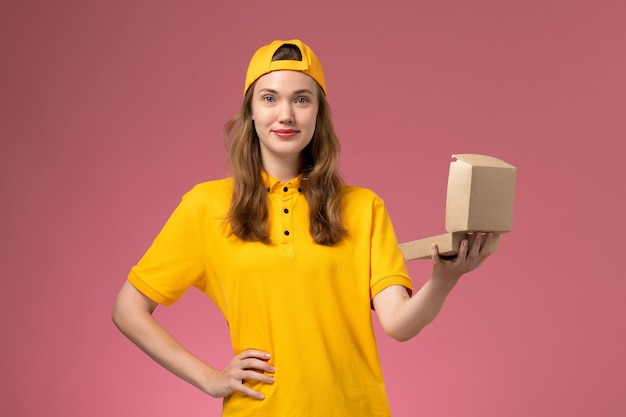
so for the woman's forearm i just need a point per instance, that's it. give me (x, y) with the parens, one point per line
(415, 313)
(132, 314)
(403, 317)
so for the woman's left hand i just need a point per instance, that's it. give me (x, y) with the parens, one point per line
(472, 253)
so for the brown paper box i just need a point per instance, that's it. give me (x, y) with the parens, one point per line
(480, 198)
(480, 194)
(448, 245)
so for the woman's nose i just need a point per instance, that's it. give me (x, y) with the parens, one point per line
(285, 114)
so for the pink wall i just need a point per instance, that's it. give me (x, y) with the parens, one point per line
(112, 110)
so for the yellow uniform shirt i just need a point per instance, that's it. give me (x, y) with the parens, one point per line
(308, 305)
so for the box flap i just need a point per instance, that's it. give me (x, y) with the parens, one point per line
(482, 160)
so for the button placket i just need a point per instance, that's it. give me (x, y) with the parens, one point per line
(286, 215)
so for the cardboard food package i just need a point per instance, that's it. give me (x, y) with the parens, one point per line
(479, 198)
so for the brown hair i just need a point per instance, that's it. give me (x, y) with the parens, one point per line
(322, 186)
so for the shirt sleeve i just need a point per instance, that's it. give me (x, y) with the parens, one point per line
(388, 266)
(174, 261)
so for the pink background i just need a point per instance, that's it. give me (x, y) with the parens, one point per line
(112, 110)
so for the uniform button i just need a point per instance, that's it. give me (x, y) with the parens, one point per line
(285, 189)
(286, 232)
(286, 211)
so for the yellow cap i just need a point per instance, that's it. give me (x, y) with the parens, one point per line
(261, 63)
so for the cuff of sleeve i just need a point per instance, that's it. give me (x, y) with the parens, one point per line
(383, 283)
(148, 291)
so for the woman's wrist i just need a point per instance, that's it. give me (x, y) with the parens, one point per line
(444, 280)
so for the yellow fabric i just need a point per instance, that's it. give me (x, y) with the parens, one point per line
(307, 304)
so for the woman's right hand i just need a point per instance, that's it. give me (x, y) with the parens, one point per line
(251, 364)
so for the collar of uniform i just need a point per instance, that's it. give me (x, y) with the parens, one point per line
(272, 184)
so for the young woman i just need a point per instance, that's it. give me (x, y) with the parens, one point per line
(293, 258)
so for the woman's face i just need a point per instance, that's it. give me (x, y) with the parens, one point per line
(284, 110)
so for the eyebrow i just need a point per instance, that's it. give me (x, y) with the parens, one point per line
(301, 91)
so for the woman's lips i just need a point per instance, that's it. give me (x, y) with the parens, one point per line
(285, 133)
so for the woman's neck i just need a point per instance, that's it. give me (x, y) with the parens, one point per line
(282, 170)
